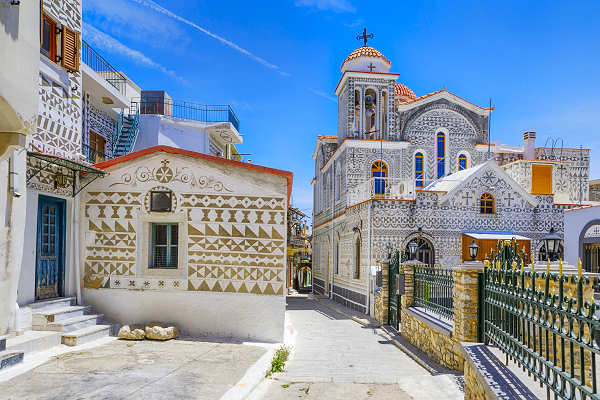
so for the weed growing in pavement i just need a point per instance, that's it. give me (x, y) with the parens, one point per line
(278, 361)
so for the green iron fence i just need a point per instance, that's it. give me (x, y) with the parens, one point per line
(543, 322)
(433, 290)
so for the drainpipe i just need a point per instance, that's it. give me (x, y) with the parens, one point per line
(369, 257)
(77, 250)
(332, 269)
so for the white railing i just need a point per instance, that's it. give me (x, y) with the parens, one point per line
(381, 188)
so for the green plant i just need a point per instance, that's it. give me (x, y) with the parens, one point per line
(278, 361)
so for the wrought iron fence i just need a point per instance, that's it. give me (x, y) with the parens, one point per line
(102, 67)
(545, 324)
(433, 290)
(92, 155)
(186, 110)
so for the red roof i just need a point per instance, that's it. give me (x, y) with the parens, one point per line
(403, 90)
(289, 176)
(366, 51)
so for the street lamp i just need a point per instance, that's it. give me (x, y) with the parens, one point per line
(473, 250)
(552, 242)
(412, 249)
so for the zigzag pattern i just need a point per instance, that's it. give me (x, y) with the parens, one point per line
(221, 201)
(213, 285)
(235, 273)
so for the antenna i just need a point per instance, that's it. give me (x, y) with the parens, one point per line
(489, 129)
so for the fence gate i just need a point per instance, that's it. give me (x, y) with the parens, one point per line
(393, 289)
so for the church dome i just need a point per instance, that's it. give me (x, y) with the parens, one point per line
(402, 93)
(366, 59)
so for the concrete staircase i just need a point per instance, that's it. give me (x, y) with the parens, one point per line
(76, 324)
(9, 357)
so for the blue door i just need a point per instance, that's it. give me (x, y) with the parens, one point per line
(49, 270)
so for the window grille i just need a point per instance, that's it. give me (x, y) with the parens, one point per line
(164, 245)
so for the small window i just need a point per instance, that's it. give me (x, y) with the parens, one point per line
(357, 259)
(462, 162)
(48, 38)
(161, 201)
(441, 155)
(487, 204)
(419, 169)
(164, 245)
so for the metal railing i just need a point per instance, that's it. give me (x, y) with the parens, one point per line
(545, 324)
(92, 155)
(433, 291)
(102, 67)
(381, 188)
(186, 110)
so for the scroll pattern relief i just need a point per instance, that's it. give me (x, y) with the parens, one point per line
(234, 243)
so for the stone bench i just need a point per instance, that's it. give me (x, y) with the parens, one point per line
(487, 378)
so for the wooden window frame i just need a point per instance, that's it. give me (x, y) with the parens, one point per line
(169, 246)
(379, 166)
(70, 65)
(462, 157)
(441, 160)
(419, 182)
(53, 39)
(487, 204)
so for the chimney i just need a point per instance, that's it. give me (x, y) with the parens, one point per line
(529, 145)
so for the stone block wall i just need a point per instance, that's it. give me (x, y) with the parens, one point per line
(382, 298)
(473, 388)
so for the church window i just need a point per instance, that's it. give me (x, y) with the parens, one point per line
(379, 173)
(441, 155)
(486, 204)
(357, 258)
(419, 169)
(462, 162)
(164, 245)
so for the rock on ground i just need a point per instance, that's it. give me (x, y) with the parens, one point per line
(157, 332)
(128, 334)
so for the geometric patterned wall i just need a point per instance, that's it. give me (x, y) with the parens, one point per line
(236, 237)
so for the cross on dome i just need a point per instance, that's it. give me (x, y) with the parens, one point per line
(364, 36)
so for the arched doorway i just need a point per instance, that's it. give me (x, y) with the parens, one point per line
(424, 252)
(591, 247)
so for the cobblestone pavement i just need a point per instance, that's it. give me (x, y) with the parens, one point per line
(177, 369)
(336, 358)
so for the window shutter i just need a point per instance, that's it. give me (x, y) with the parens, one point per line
(70, 49)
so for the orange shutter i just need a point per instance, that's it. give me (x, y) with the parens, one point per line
(541, 179)
(70, 49)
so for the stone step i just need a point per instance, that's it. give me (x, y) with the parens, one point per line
(85, 335)
(74, 323)
(43, 318)
(60, 302)
(33, 341)
(10, 358)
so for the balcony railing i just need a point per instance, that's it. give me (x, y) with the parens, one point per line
(381, 188)
(102, 67)
(186, 110)
(92, 155)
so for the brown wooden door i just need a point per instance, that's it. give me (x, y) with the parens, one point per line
(97, 148)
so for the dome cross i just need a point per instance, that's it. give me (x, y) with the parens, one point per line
(364, 36)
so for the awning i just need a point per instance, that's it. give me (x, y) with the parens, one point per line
(78, 171)
(495, 236)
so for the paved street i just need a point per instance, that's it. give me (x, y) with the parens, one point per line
(177, 369)
(336, 358)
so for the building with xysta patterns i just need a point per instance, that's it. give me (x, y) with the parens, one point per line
(405, 168)
(189, 239)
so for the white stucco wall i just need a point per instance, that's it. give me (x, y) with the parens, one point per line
(246, 316)
(158, 130)
(575, 221)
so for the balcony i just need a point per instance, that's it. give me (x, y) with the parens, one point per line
(186, 110)
(383, 189)
(102, 80)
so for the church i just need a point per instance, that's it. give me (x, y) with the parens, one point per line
(419, 174)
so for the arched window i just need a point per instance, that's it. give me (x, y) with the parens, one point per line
(462, 162)
(336, 267)
(357, 258)
(441, 155)
(379, 172)
(486, 204)
(424, 250)
(419, 169)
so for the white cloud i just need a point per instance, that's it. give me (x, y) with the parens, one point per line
(108, 43)
(152, 5)
(339, 6)
(355, 23)
(324, 95)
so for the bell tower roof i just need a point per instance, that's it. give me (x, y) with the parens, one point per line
(366, 59)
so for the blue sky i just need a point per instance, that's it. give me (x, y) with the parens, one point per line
(278, 62)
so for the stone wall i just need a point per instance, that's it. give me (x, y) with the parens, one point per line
(437, 342)
(473, 388)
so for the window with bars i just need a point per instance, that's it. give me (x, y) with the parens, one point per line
(164, 245)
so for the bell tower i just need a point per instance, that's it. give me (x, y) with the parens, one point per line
(366, 94)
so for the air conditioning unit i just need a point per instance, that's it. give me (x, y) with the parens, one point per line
(403, 190)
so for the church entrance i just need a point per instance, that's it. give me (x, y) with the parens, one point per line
(420, 249)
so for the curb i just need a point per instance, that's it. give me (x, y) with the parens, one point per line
(390, 334)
